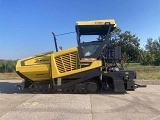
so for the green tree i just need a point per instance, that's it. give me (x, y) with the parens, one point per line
(152, 46)
(153, 51)
(1, 66)
(7, 65)
(130, 44)
(11, 65)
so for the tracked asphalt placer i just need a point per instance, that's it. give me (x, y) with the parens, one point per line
(143, 103)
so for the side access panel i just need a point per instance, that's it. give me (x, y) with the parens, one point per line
(119, 86)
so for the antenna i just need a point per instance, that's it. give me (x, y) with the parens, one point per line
(55, 40)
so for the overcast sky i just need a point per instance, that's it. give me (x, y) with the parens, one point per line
(26, 25)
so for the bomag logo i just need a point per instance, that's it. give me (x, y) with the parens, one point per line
(41, 60)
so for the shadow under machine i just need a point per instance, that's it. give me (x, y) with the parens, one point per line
(89, 67)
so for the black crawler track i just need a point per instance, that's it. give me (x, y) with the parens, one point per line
(34, 89)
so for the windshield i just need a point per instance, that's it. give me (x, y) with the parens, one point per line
(88, 50)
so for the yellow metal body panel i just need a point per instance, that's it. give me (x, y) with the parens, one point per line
(53, 65)
(57, 73)
(37, 72)
(36, 67)
(95, 64)
(96, 22)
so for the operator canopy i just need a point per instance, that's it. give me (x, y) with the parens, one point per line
(95, 27)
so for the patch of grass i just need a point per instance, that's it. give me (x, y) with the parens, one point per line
(148, 75)
(9, 76)
(144, 72)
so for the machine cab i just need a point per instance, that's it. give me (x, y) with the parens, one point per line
(94, 49)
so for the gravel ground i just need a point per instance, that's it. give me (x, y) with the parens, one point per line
(141, 104)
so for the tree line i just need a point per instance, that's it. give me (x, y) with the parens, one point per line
(7, 65)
